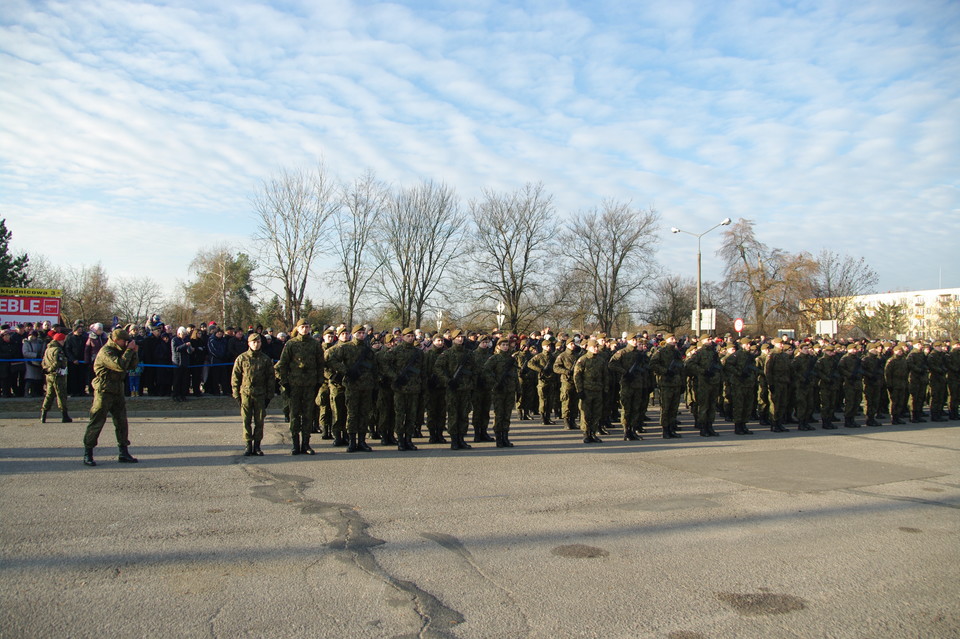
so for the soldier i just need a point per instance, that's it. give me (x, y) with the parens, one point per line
(740, 371)
(705, 367)
(590, 379)
(299, 371)
(435, 395)
(826, 372)
(851, 371)
(527, 377)
(896, 374)
(667, 365)
(404, 367)
(563, 367)
(54, 365)
(457, 370)
(542, 364)
(500, 376)
(953, 380)
(872, 367)
(110, 367)
(356, 364)
(937, 365)
(630, 364)
(779, 379)
(323, 402)
(763, 388)
(481, 393)
(338, 402)
(253, 382)
(917, 381)
(385, 417)
(804, 379)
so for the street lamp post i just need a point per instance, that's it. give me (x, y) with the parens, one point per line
(725, 222)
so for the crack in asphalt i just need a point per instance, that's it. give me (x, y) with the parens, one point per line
(353, 544)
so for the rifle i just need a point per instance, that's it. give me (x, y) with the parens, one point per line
(353, 373)
(455, 380)
(508, 368)
(408, 370)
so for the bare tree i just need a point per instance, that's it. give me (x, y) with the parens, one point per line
(223, 285)
(513, 243)
(768, 282)
(137, 298)
(293, 211)
(87, 294)
(364, 202)
(839, 278)
(672, 300)
(611, 251)
(423, 232)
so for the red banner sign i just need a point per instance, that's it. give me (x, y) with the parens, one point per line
(16, 309)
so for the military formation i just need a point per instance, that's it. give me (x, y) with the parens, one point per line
(353, 386)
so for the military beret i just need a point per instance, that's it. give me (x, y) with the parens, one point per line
(485, 338)
(828, 348)
(253, 337)
(119, 333)
(342, 330)
(301, 322)
(745, 341)
(455, 333)
(667, 336)
(358, 328)
(388, 338)
(592, 342)
(407, 331)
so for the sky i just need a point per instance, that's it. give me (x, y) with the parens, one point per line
(135, 134)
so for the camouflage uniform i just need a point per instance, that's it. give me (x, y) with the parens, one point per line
(500, 376)
(895, 374)
(917, 382)
(937, 365)
(299, 371)
(740, 371)
(253, 384)
(590, 377)
(481, 397)
(356, 364)
(667, 365)
(55, 368)
(457, 370)
(630, 365)
(706, 369)
(404, 367)
(547, 380)
(872, 385)
(109, 373)
(563, 367)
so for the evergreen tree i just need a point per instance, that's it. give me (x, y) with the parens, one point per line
(13, 269)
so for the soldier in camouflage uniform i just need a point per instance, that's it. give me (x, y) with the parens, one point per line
(481, 393)
(355, 363)
(324, 405)
(299, 371)
(542, 364)
(667, 365)
(500, 376)
(826, 371)
(563, 367)
(804, 379)
(436, 393)
(404, 367)
(740, 371)
(704, 365)
(457, 370)
(937, 365)
(851, 371)
(917, 382)
(872, 367)
(54, 366)
(385, 402)
(953, 380)
(630, 365)
(527, 397)
(337, 391)
(253, 383)
(590, 377)
(113, 361)
(778, 374)
(896, 374)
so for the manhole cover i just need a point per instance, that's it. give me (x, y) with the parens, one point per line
(579, 551)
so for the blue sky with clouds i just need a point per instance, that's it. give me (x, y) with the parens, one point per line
(135, 133)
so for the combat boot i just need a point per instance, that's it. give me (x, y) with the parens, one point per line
(746, 431)
(711, 432)
(954, 414)
(362, 443)
(305, 445)
(125, 457)
(463, 442)
(499, 439)
(353, 448)
(640, 428)
(777, 428)
(917, 418)
(296, 444)
(339, 439)
(88, 457)
(571, 423)
(849, 422)
(43, 417)
(327, 432)
(629, 435)
(895, 420)
(871, 421)
(65, 417)
(256, 449)
(506, 439)
(249, 451)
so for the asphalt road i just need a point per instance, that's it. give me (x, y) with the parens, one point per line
(848, 533)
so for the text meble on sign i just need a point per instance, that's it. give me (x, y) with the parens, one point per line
(18, 305)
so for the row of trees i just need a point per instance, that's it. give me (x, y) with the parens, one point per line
(396, 256)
